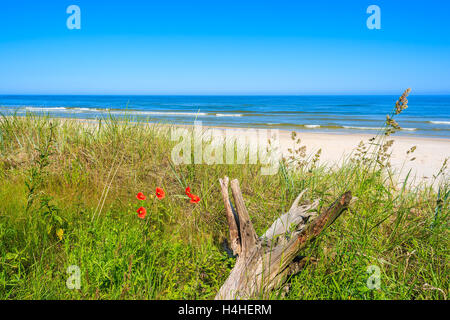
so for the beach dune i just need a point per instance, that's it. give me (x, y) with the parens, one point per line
(419, 166)
(429, 155)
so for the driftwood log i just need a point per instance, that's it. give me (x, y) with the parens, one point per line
(264, 263)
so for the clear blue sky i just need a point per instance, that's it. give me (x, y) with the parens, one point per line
(224, 47)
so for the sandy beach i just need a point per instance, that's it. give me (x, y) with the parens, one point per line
(425, 162)
(429, 155)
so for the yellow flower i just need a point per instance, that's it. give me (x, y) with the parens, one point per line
(60, 233)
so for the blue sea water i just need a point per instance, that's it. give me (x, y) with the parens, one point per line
(427, 115)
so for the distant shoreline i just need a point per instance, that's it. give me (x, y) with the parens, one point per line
(305, 128)
(426, 116)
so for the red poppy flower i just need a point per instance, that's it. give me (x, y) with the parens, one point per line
(188, 191)
(140, 196)
(194, 198)
(142, 212)
(160, 194)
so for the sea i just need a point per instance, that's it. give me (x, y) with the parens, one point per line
(426, 115)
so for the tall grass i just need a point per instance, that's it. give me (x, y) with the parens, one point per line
(67, 197)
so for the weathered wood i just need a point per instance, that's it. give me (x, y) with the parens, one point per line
(235, 241)
(266, 262)
(249, 239)
(291, 220)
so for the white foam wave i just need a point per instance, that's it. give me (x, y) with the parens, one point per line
(360, 128)
(374, 128)
(79, 110)
(440, 122)
(44, 109)
(312, 126)
(89, 109)
(158, 113)
(228, 115)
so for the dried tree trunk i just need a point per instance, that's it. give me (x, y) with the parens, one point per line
(265, 262)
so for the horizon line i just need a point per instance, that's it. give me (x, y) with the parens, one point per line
(220, 94)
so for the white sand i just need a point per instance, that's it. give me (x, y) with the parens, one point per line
(430, 153)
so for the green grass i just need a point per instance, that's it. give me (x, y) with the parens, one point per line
(83, 178)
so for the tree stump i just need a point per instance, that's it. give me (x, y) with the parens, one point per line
(264, 263)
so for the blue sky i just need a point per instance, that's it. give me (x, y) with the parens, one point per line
(224, 47)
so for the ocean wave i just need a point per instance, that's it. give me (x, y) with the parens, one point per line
(135, 112)
(161, 113)
(375, 128)
(440, 122)
(229, 115)
(312, 126)
(44, 108)
(89, 109)
(64, 109)
(361, 128)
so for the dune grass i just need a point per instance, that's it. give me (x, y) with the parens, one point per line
(68, 197)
